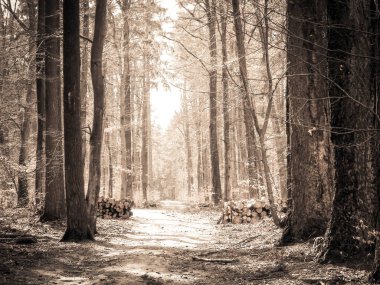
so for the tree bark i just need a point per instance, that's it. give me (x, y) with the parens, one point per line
(144, 131)
(41, 112)
(226, 105)
(216, 183)
(26, 124)
(352, 121)
(189, 159)
(55, 184)
(375, 79)
(84, 84)
(126, 114)
(375, 90)
(96, 138)
(77, 218)
(310, 133)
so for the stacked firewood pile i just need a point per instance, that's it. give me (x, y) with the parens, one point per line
(245, 212)
(109, 208)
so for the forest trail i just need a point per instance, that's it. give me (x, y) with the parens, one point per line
(157, 246)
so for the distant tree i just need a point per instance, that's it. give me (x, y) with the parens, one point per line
(41, 109)
(127, 104)
(210, 8)
(223, 9)
(26, 122)
(55, 185)
(97, 130)
(250, 107)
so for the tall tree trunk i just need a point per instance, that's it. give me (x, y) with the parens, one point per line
(77, 219)
(189, 159)
(26, 124)
(83, 81)
(216, 183)
(96, 138)
(55, 184)
(310, 142)
(226, 115)
(41, 112)
(375, 79)
(126, 112)
(250, 107)
(144, 131)
(352, 121)
(198, 131)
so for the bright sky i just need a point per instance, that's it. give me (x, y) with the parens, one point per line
(165, 102)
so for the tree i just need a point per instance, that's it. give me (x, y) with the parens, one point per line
(96, 138)
(375, 88)
(189, 160)
(311, 150)
(226, 106)
(23, 197)
(126, 105)
(77, 218)
(55, 185)
(84, 79)
(213, 75)
(41, 109)
(350, 50)
(249, 107)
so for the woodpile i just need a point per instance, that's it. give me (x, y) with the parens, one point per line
(109, 208)
(245, 212)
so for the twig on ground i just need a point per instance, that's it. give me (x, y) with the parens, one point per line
(217, 260)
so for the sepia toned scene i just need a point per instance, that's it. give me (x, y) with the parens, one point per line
(199, 142)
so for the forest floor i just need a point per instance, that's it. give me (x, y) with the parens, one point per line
(158, 246)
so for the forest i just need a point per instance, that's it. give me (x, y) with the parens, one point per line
(189, 142)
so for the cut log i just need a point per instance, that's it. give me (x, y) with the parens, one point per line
(112, 209)
(243, 212)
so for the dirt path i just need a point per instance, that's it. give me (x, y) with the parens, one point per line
(157, 247)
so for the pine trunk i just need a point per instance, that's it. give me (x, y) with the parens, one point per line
(145, 133)
(310, 143)
(77, 219)
(41, 112)
(226, 104)
(84, 84)
(96, 138)
(349, 67)
(126, 117)
(55, 184)
(215, 172)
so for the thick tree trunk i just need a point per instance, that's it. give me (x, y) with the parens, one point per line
(126, 112)
(352, 121)
(41, 112)
(96, 138)
(216, 183)
(84, 84)
(375, 79)
(55, 184)
(310, 142)
(226, 114)
(77, 219)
